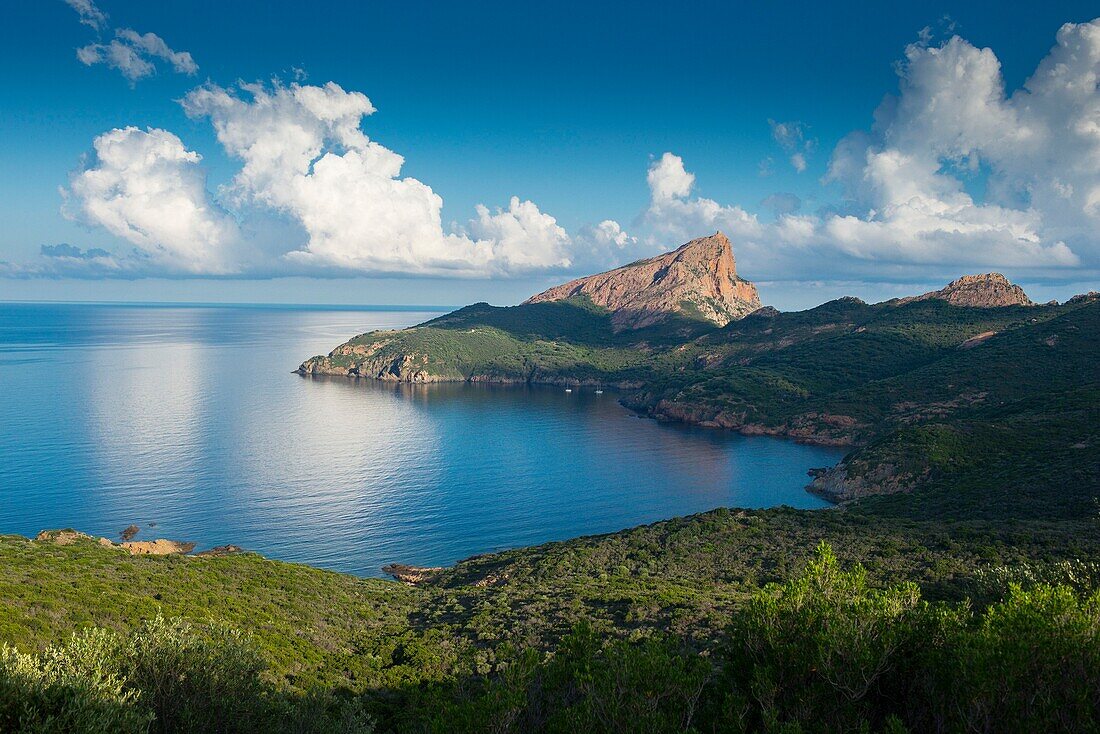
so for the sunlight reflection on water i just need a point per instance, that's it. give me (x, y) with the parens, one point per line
(190, 417)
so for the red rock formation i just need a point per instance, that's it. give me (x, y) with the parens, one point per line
(989, 290)
(697, 280)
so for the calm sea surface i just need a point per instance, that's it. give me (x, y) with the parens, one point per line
(190, 418)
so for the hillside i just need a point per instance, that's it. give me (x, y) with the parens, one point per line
(696, 280)
(955, 588)
(489, 644)
(911, 383)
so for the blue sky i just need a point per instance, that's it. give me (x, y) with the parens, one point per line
(571, 108)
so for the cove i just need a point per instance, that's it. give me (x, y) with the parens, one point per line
(188, 417)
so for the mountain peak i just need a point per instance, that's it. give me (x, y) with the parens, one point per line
(697, 280)
(987, 290)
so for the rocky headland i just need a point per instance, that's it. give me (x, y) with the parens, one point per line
(698, 279)
(686, 339)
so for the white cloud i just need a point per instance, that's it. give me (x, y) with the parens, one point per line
(147, 188)
(668, 180)
(131, 53)
(522, 237)
(154, 45)
(792, 138)
(89, 14)
(304, 155)
(128, 60)
(955, 172)
(911, 208)
(674, 215)
(607, 245)
(609, 232)
(1037, 150)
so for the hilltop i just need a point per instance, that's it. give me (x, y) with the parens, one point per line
(698, 280)
(988, 290)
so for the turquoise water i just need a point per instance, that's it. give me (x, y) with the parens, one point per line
(189, 417)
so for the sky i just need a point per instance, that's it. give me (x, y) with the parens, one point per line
(445, 153)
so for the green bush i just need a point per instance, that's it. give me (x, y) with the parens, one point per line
(73, 689)
(1032, 663)
(587, 685)
(820, 651)
(167, 676)
(824, 651)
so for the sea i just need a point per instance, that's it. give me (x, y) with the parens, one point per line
(189, 422)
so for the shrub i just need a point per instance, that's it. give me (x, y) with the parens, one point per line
(586, 685)
(1032, 663)
(73, 689)
(819, 651)
(167, 676)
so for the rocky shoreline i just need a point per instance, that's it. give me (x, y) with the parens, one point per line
(158, 547)
(836, 488)
(804, 429)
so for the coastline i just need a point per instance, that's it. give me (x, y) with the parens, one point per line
(663, 411)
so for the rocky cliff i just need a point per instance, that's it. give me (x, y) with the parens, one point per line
(697, 280)
(989, 290)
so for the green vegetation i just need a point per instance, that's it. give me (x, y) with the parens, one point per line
(925, 391)
(826, 650)
(955, 591)
(163, 677)
(569, 340)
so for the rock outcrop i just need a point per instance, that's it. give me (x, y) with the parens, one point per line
(989, 290)
(411, 575)
(837, 484)
(159, 547)
(375, 361)
(697, 280)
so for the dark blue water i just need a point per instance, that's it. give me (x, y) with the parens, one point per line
(190, 418)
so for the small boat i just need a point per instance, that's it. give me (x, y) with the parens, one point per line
(599, 392)
(569, 389)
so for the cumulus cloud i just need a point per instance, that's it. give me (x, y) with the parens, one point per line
(674, 214)
(89, 14)
(147, 188)
(786, 248)
(610, 233)
(313, 195)
(668, 179)
(911, 182)
(304, 154)
(133, 53)
(1038, 151)
(956, 172)
(522, 237)
(607, 245)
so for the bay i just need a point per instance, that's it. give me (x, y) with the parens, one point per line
(187, 421)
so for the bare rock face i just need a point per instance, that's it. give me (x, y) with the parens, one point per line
(411, 575)
(989, 290)
(159, 547)
(697, 280)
